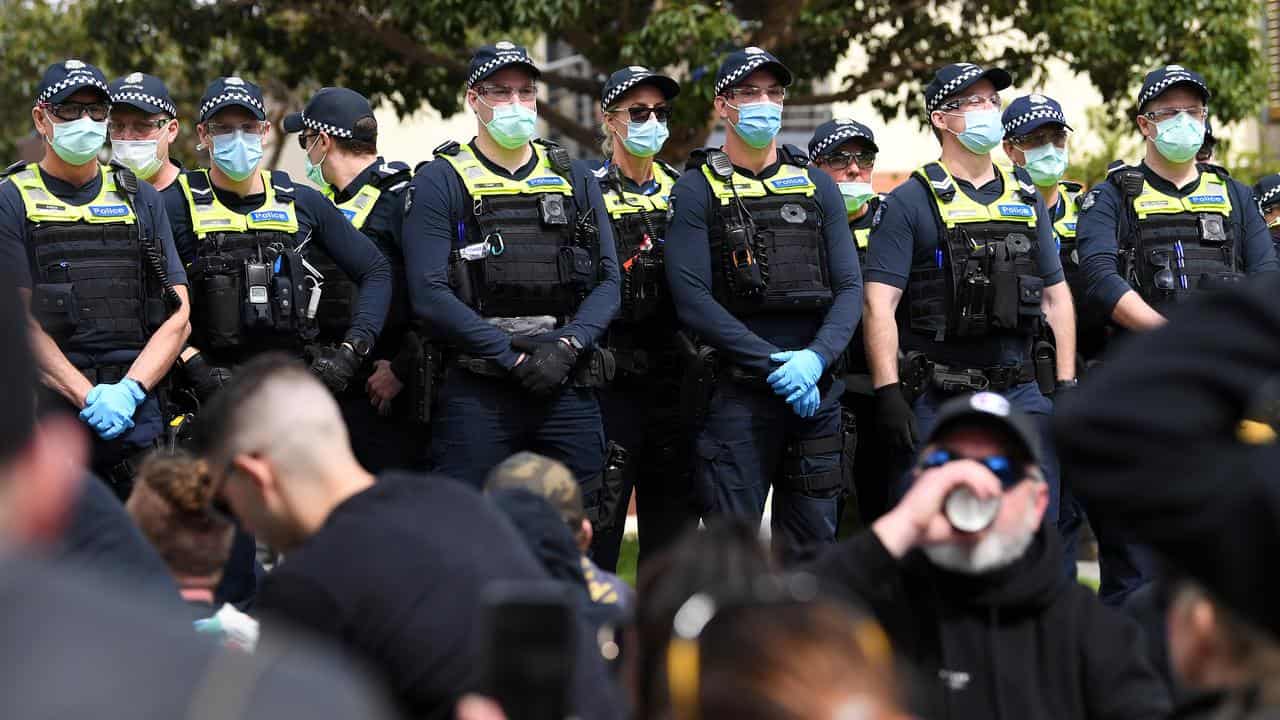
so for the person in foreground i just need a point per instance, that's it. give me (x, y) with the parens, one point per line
(392, 567)
(966, 579)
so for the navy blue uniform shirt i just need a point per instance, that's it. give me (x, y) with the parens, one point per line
(175, 207)
(908, 233)
(356, 254)
(438, 205)
(749, 341)
(15, 231)
(1098, 228)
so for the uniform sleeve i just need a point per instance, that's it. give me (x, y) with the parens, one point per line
(892, 243)
(13, 231)
(184, 238)
(1259, 251)
(358, 257)
(430, 227)
(601, 305)
(688, 266)
(1097, 237)
(162, 230)
(1047, 258)
(846, 277)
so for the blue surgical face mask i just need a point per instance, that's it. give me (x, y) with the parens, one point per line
(645, 139)
(78, 141)
(856, 194)
(237, 154)
(512, 124)
(758, 123)
(1179, 138)
(1046, 164)
(983, 131)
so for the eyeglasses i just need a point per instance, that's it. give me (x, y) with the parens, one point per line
(702, 609)
(255, 127)
(137, 128)
(971, 102)
(1159, 116)
(305, 139)
(69, 111)
(841, 159)
(1040, 138)
(505, 93)
(775, 93)
(641, 113)
(999, 465)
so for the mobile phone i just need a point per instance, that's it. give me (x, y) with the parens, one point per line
(529, 637)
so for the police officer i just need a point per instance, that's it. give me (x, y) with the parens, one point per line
(93, 253)
(260, 241)
(763, 270)
(1267, 192)
(970, 246)
(513, 270)
(1168, 229)
(846, 150)
(339, 134)
(144, 124)
(642, 406)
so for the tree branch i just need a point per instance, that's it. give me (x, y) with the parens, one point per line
(857, 89)
(584, 136)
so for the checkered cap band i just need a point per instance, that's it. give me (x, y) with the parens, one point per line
(622, 89)
(487, 68)
(325, 127)
(742, 71)
(1172, 78)
(131, 96)
(1040, 113)
(1269, 197)
(837, 138)
(238, 96)
(75, 79)
(951, 86)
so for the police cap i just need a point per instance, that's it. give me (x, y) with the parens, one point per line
(489, 59)
(232, 90)
(742, 63)
(62, 80)
(622, 81)
(831, 134)
(1161, 79)
(148, 93)
(1029, 112)
(1268, 191)
(954, 79)
(334, 111)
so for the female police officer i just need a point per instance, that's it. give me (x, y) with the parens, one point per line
(642, 407)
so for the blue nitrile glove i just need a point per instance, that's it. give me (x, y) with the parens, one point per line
(807, 404)
(109, 408)
(800, 371)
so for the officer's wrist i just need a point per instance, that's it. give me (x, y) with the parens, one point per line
(1067, 382)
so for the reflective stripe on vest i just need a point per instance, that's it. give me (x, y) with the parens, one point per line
(274, 215)
(861, 236)
(357, 208)
(480, 181)
(627, 202)
(789, 180)
(962, 209)
(1210, 196)
(1065, 227)
(43, 206)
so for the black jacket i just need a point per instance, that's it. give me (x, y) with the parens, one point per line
(1020, 643)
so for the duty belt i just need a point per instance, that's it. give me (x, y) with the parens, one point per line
(953, 379)
(637, 362)
(585, 373)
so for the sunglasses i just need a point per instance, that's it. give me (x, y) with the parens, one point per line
(842, 159)
(641, 113)
(999, 465)
(1164, 278)
(70, 111)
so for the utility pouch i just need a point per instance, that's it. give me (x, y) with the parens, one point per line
(219, 305)
(975, 295)
(598, 370)
(575, 266)
(1045, 357)
(56, 307)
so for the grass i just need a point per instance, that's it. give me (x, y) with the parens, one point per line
(627, 560)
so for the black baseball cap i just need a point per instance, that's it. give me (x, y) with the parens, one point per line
(334, 111)
(622, 81)
(232, 90)
(831, 134)
(489, 59)
(987, 409)
(1161, 79)
(64, 79)
(742, 63)
(148, 93)
(953, 79)
(1029, 112)
(1268, 190)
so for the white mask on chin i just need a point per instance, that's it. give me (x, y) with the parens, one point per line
(995, 551)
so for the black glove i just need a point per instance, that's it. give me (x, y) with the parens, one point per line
(204, 378)
(894, 418)
(335, 366)
(545, 368)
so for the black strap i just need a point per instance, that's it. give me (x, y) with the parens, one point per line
(938, 181)
(390, 174)
(283, 185)
(201, 189)
(809, 447)
(1026, 188)
(13, 168)
(818, 483)
(448, 147)
(794, 156)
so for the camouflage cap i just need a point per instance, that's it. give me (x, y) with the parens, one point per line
(542, 476)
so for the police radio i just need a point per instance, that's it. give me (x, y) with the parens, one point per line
(257, 281)
(743, 260)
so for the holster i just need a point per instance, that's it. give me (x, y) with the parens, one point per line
(596, 369)
(1045, 357)
(914, 373)
(605, 510)
(424, 367)
(831, 483)
(697, 382)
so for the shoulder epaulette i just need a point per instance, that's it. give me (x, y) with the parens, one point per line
(449, 147)
(943, 185)
(283, 185)
(795, 155)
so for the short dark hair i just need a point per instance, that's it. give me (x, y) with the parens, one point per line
(17, 422)
(217, 419)
(368, 126)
